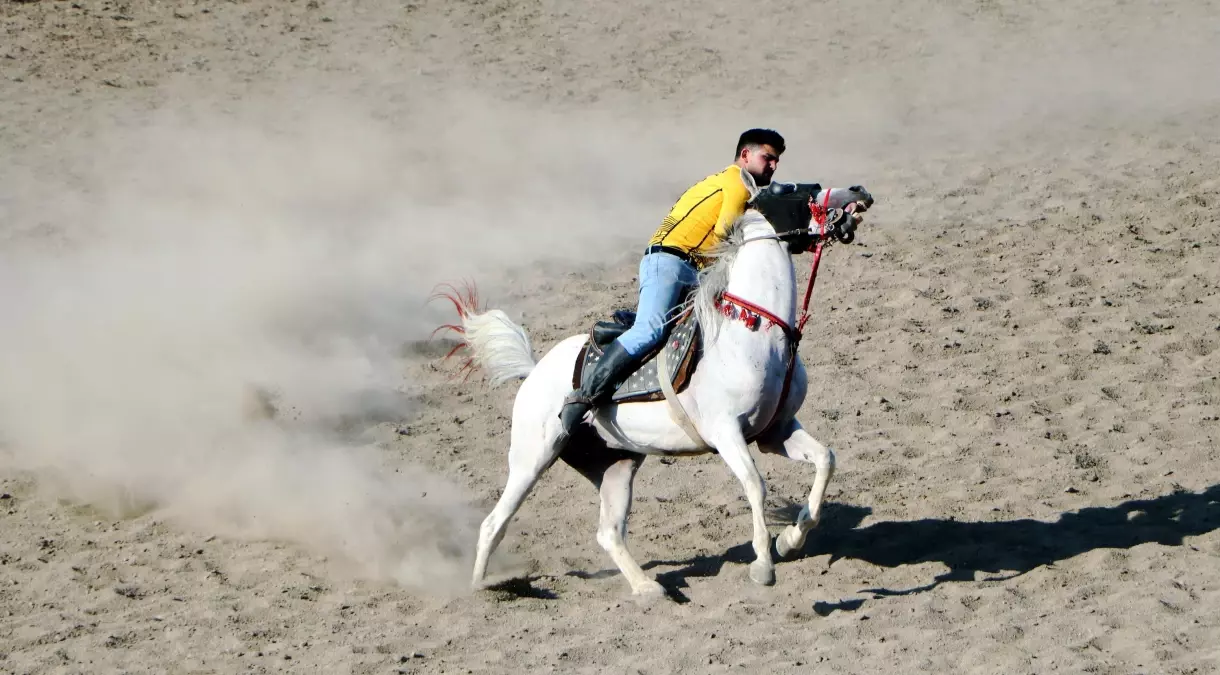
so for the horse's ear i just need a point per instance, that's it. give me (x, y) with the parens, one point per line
(777, 188)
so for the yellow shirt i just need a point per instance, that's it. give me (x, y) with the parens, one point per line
(703, 214)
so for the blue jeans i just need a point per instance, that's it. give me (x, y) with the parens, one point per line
(663, 279)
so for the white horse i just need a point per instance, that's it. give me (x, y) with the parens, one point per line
(733, 399)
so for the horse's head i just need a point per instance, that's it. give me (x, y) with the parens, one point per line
(840, 198)
(792, 207)
(840, 209)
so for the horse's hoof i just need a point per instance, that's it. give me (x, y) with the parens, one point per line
(486, 583)
(649, 592)
(761, 573)
(788, 541)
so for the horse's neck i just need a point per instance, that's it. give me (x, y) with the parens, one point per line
(762, 272)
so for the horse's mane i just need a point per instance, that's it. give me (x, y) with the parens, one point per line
(714, 277)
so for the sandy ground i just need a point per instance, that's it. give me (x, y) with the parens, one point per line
(1016, 362)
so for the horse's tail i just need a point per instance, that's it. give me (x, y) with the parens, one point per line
(493, 341)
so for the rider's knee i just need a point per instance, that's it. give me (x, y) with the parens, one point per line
(654, 337)
(642, 339)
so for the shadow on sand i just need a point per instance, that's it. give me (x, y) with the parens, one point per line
(521, 588)
(968, 548)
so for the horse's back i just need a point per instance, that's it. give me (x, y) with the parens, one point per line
(553, 372)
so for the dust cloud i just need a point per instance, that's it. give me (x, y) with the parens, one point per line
(169, 281)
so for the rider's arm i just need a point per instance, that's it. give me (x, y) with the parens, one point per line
(736, 194)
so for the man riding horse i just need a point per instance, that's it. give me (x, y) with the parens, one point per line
(696, 223)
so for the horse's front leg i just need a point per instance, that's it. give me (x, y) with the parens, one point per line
(732, 447)
(793, 442)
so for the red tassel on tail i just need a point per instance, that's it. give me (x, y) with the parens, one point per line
(465, 300)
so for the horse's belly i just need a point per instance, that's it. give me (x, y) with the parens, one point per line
(646, 428)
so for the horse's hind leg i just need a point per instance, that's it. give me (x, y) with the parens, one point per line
(528, 458)
(792, 441)
(613, 473)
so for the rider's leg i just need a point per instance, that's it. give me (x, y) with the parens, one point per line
(663, 277)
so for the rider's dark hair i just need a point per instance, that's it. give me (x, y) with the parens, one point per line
(760, 137)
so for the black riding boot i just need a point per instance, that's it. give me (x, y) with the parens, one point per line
(611, 369)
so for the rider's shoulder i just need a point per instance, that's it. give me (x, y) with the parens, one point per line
(731, 180)
(739, 181)
(729, 172)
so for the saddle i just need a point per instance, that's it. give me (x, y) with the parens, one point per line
(681, 345)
